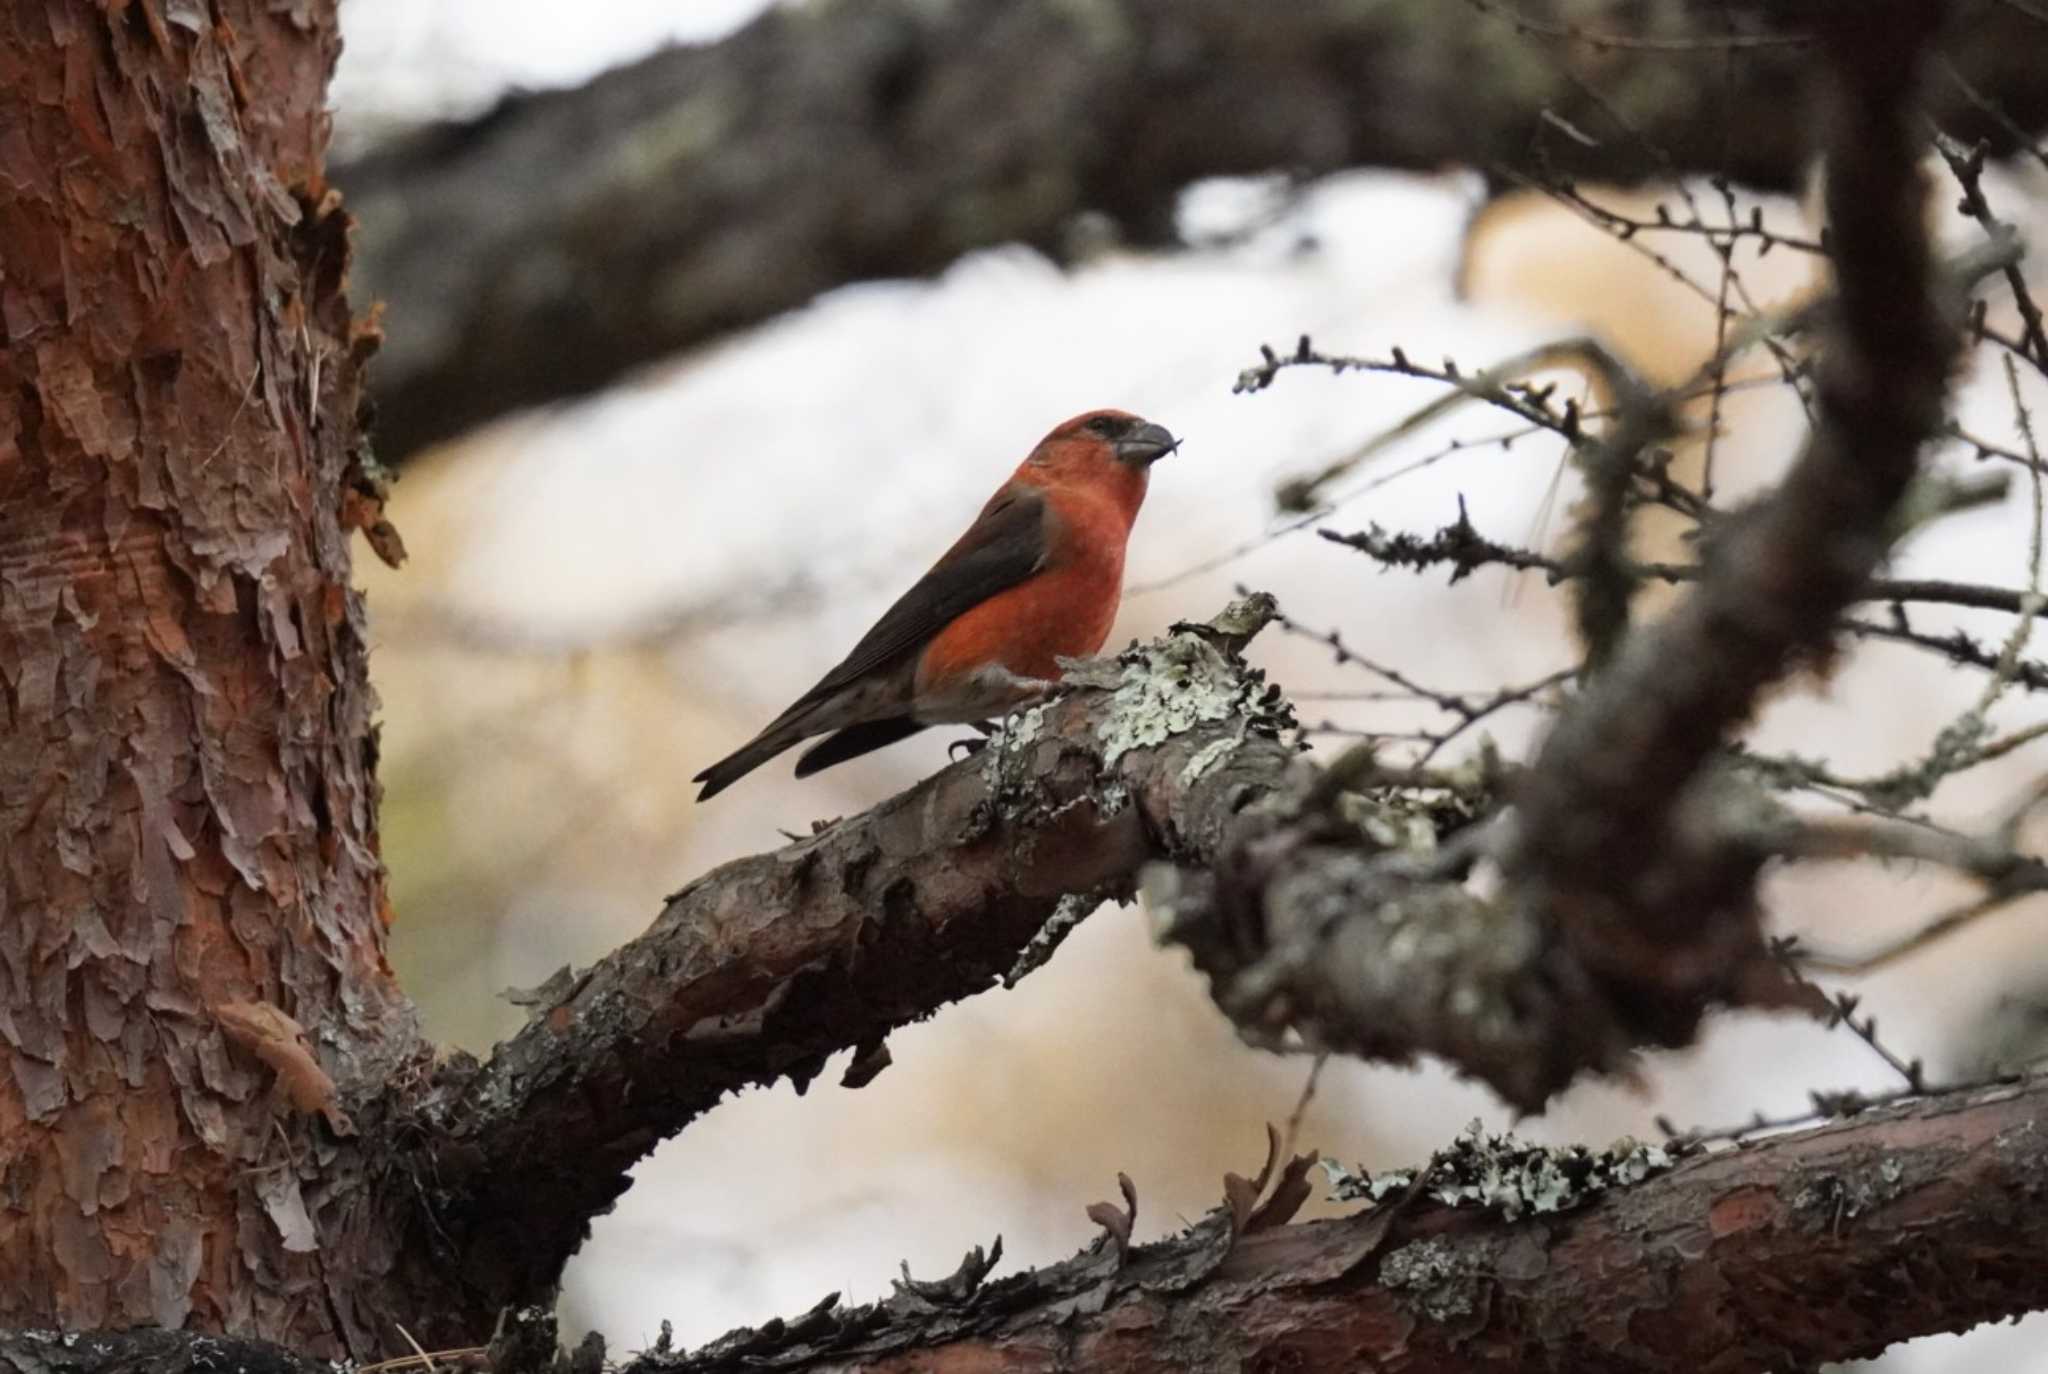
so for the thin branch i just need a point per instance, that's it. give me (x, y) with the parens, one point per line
(1991, 859)
(1468, 708)
(1963, 743)
(1504, 440)
(1956, 918)
(2018, 139)
(1956, 646)
(1500, 386)
(1736, 230)
(1966, 164)
(1911, 1072)
(1464, 550)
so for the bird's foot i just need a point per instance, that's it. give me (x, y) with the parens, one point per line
(968, 748)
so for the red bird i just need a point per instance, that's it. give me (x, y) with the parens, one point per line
(1037, 577)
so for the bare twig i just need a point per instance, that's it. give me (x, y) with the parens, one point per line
(1955, 646)
(1498, 386)
(1966, 164)
(1993, 859)
(1462, 548)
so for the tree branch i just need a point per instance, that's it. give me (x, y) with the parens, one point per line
(761, 969)
(541, 251)
(1826, 1245)
(148, 1351)
(1618, 845)
(1829, 1244)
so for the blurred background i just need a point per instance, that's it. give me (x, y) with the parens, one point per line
(605, 597)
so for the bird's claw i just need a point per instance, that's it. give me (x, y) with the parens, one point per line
(967, 748)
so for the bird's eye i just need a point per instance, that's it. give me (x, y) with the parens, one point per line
(1104, 425)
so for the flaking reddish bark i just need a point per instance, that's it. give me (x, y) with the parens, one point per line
(187, 806)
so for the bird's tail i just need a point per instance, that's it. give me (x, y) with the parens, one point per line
(779, 736)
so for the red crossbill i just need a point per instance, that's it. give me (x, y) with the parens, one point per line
(1036, 578)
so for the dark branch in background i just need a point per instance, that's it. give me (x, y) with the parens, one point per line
(1830, 1244)
(566, 238)
(1618, 847)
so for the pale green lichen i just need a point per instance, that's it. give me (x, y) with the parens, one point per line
(1157, 691)
(1171, 686)
(1207, 757)
(1439, 1280)
(1067, 914)
(1018, 732)
(654, 148)
(1391, 820)
(1012, 739)
(1509, 1176)
(1167, 689)
(1830, 1198)
(2015, 1137)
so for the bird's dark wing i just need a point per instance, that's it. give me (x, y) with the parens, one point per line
(1005, 545)
(854, 741)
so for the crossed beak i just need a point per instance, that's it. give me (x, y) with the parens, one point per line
(1146, 445)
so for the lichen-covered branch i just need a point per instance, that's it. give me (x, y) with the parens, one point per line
(1628, 904)
(1829, 1244)
(761, 969)
(148, 1349)
(565, 238)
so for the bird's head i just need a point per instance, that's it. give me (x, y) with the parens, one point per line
(1109, 450)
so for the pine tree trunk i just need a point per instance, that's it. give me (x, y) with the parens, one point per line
(187, 796)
